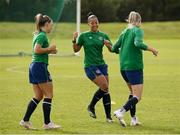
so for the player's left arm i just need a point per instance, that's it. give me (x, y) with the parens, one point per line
(107, 42)
(138, 42)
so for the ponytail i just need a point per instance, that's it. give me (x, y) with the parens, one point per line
(40, 21)
(91, 16)
(134, 18)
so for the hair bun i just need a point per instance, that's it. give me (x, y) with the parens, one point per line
(89, 14)
(38, 17)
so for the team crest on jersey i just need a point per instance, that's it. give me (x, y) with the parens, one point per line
(101, 38)
(90, 37)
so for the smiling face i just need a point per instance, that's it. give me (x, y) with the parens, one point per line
(93, 24)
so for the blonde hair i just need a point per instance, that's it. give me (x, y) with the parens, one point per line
(134, 18)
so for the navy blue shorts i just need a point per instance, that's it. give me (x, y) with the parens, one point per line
(93, 71)
(133, 76)
(38, 73)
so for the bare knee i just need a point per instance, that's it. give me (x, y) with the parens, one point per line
(104, 87)
(137, 91)
(39, 97)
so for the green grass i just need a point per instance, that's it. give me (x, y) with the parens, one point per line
(158, 110)
(64, 30)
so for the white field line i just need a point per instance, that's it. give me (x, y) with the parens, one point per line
(16, 69)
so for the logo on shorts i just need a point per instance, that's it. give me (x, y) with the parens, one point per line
(50, 78)
(90, 37)
(98, 71)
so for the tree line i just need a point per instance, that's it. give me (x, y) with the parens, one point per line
(106, 10)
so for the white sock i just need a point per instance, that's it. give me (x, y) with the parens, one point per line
(134, 117)
(122, 110)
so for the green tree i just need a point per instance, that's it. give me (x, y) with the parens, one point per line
(25, 10)
(69, 11)
(151, 10)
(105, 10)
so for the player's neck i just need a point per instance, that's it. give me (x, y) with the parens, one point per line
(43, 29)
(94, 31)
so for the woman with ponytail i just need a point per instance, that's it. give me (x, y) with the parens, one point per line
(129, 46)
(94, 65)
(39, 75)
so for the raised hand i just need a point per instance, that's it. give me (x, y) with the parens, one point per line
(75, 35)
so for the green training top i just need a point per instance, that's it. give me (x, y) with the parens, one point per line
(42, 40)
(93, 43)
(129, 46)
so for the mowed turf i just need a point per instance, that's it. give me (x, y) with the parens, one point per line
(158, 111)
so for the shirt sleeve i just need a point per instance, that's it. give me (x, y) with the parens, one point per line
(117, 45)
(80, 41)
(107, 38)
(40, 40)
(138, 40)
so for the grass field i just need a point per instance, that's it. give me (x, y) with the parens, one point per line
(159, 109)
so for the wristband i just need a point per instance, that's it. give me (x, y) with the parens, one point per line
(73, 41)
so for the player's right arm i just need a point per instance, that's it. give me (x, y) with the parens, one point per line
(115, 47)
(76, 47)
(39, 50)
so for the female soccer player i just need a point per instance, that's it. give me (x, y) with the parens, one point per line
(94, 64)
(129, 46)
(39, 75)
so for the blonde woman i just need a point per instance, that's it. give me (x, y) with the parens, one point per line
(129, 47)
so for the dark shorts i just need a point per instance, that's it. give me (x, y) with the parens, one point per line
(38, 73)
(133, 76)
(93, 71)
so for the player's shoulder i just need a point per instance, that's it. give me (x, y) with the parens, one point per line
(103, 34)
(124, 31)
(83, 34)
(138, 29)
(40, 34)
